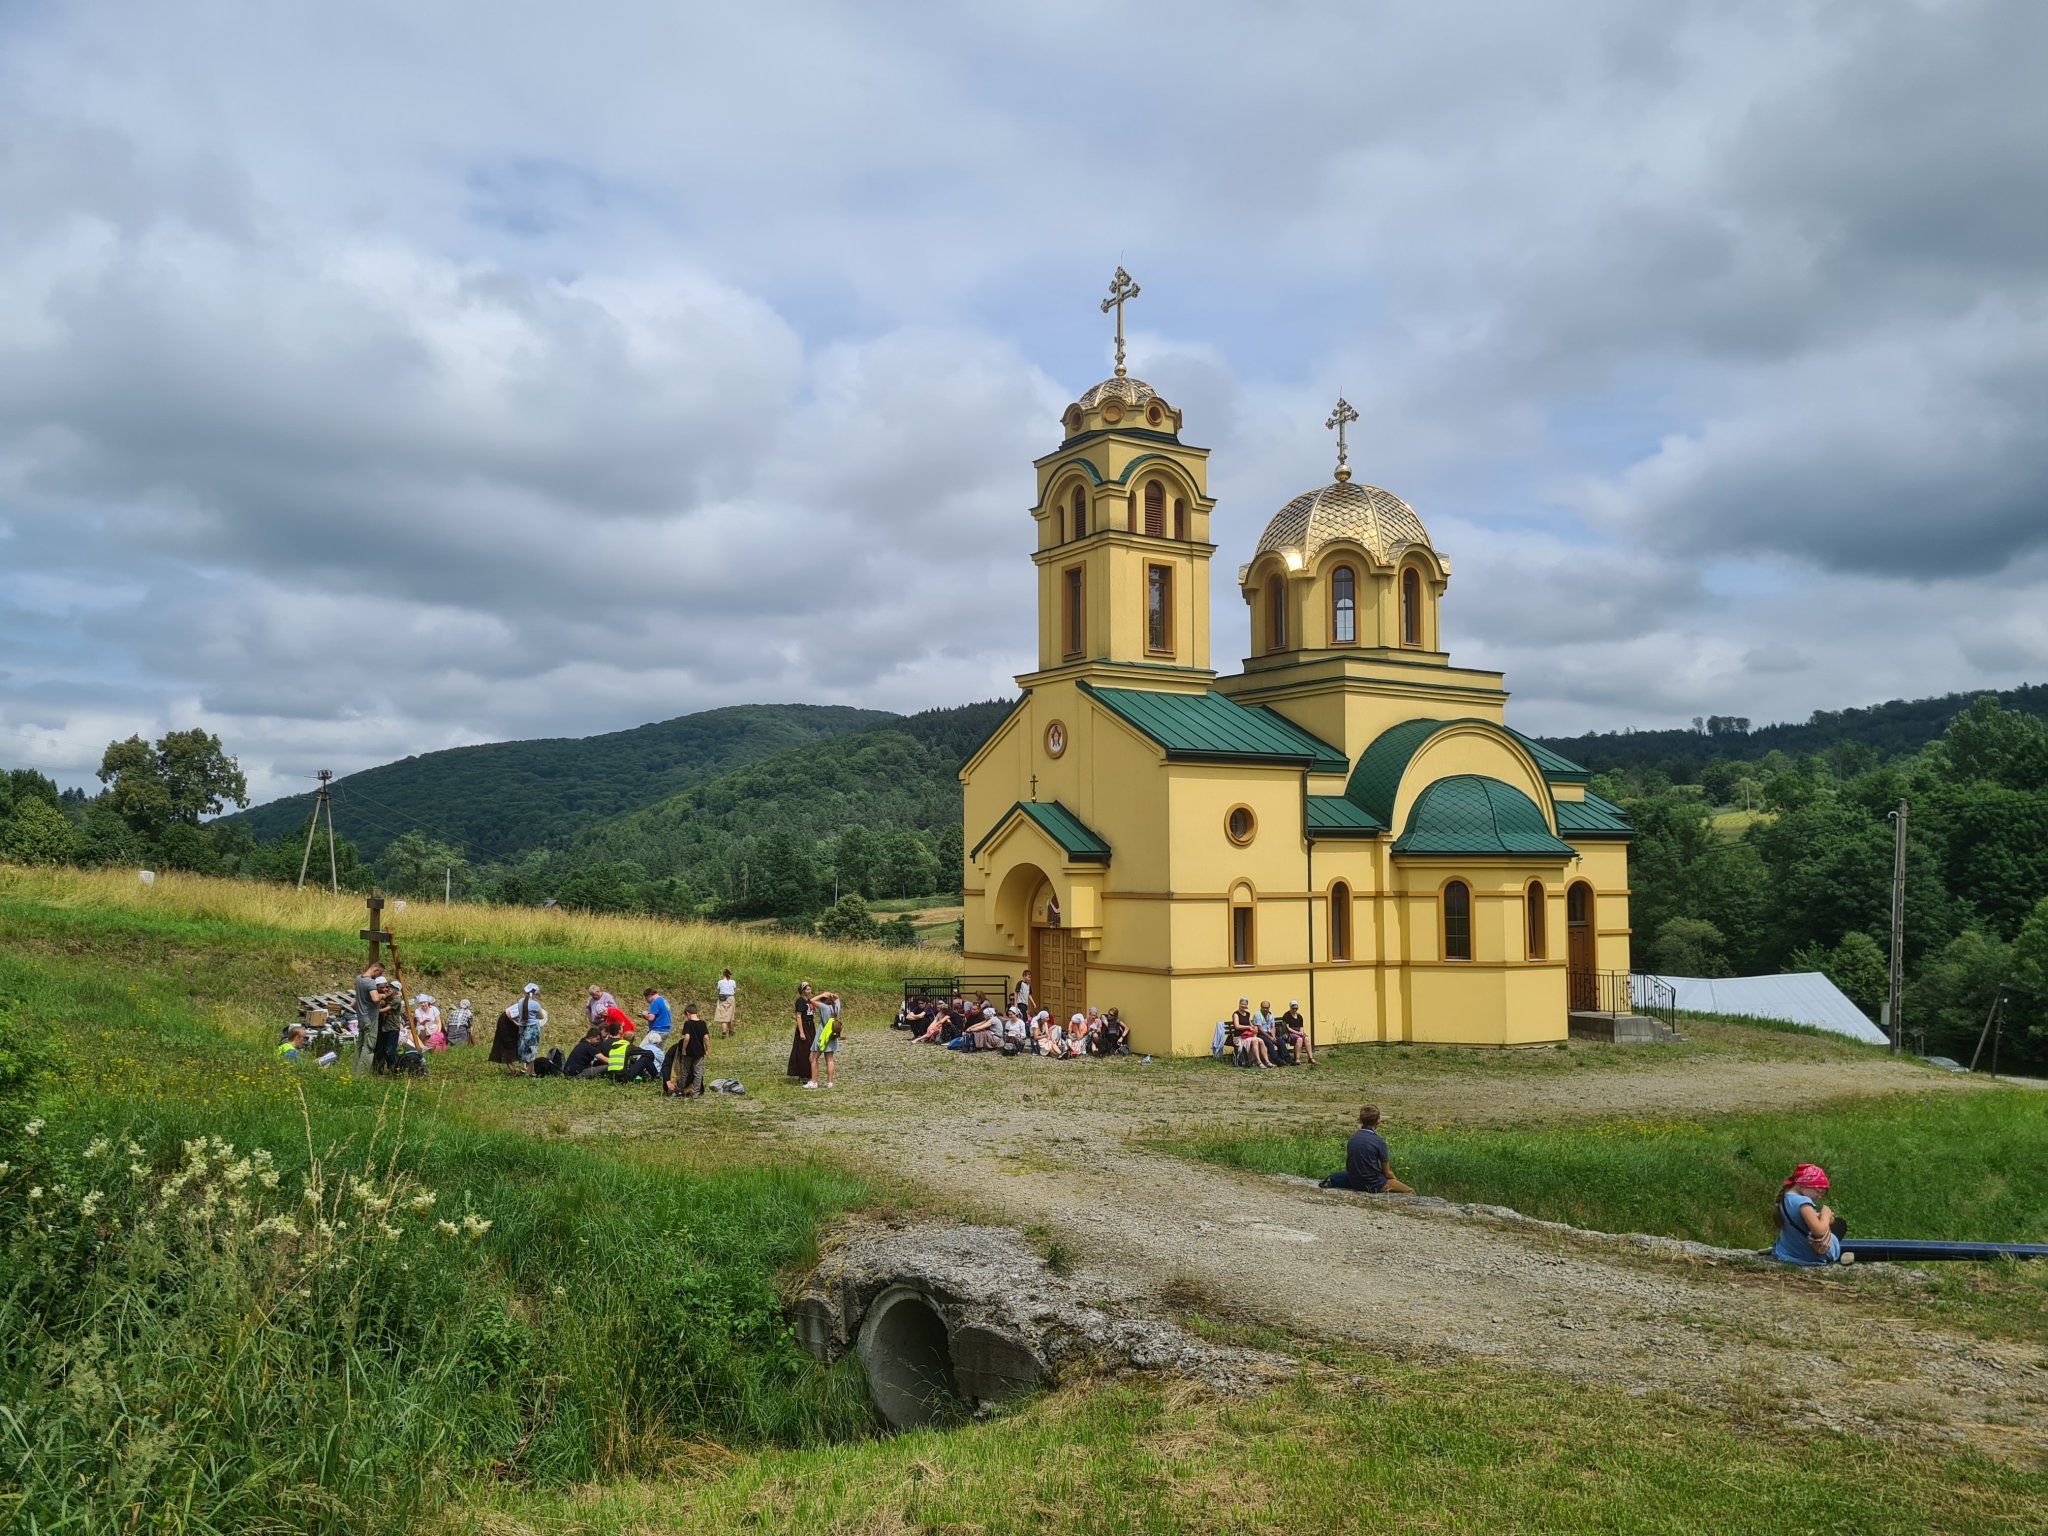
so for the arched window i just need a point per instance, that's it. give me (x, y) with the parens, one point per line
(1180, 518)
(1343, 606)
(1155, 509)
(1276, 614)
(1411, 607)
(1080, 513)
(1457, 920)
(1340, 921)
(1537, 921)
(1244, 947)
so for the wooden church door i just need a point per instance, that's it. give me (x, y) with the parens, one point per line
(1581, 978)
(1060, 972)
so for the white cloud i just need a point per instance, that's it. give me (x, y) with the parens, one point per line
(376, 381)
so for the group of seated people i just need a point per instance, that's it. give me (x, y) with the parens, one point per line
(1263, 1038)
(960, 1025)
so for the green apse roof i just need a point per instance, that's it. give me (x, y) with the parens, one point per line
(1209, 728)
(1080, 844)
(1478, 817)
(1335, 816)
(1377, 778)
(1592, 818)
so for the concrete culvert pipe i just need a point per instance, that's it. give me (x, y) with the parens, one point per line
(906, 1349)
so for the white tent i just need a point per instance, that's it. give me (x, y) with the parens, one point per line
(1806, 997)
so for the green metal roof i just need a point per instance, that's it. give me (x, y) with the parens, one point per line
(1207, 727)
(1592, 817)
(1335, 816)
(1080, 844)
(1377, 778)
(1478, 817)
(1555, 765)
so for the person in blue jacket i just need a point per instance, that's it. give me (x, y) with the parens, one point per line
(1808, 1232)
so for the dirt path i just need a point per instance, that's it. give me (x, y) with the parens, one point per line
(1052, 1146)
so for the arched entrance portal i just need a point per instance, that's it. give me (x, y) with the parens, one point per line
(1582, 979)
(1059, 960)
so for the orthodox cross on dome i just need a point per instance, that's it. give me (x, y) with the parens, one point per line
(1121, 288)
(1340, 418)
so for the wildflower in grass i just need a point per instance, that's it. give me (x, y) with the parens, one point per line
(388, 1232)
(97, 1147)
(33, 1129)
(3, 1169)
(421, 1203)
(475, 1226)
(447, 1228)
(279, 1225)
(131, 1148)
(89, 1204)
(35, 1193)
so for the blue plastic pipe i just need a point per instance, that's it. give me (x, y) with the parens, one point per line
(1872, 1250)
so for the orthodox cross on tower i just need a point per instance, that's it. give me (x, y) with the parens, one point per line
(1121, 288)
(1340, 418)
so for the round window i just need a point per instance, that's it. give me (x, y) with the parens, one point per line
(1154, 415)
(1240, 824)
(1074, 420)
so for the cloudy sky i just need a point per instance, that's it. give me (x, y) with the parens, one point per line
(378, 378)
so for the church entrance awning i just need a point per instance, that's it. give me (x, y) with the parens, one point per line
(1075, 839)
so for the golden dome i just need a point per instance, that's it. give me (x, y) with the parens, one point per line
(1129, 391)
(1380, 520)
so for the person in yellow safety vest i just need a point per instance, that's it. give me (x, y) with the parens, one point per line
(615, 1058)
(294, 1038)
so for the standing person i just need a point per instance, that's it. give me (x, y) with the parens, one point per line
(390, 1022)
(826, 1017)
(369, 1001)
(600, 1000)
(531, 1019)
(460, 1022)
(801, 1042)
(1808, 1232)
(725, 1013)
(658, 1019)
(1023, 997)
(1367, 1166)
(686, 1062)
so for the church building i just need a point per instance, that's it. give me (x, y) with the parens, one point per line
(1348, 822)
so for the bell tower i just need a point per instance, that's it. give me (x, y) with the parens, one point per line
(1123, 538)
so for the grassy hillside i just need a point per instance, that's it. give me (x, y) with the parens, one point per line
(240, 1298)
(499, 800)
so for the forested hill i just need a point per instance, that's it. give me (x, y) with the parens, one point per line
(500, 800)
(897, 781)
(1888, 730)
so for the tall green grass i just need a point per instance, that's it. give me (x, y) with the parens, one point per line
(1962, 1166)
(183, 1346)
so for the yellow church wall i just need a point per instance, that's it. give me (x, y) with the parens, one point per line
(1604, 865)
(1349, 698)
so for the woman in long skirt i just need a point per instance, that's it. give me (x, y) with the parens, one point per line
(805, 1037)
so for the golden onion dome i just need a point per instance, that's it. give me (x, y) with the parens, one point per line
(1377, 519)
(1126, 390)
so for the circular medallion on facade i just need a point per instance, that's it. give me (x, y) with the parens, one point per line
(1055, 739)
(1112, 412)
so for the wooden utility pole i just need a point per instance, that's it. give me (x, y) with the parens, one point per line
(322, 801)
(1898, 927)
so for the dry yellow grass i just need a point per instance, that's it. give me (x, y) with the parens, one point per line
(513, 929)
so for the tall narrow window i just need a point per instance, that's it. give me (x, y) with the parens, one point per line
(1457, 921)
(1343, 606)
(1155, 509)
(1243, 937)
(1340, 921)
(1159, 608)
(1077, 612)
(1080, 513)
(1276, 614)
(1180, 518)
(1411, 607)
(1537, 921)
